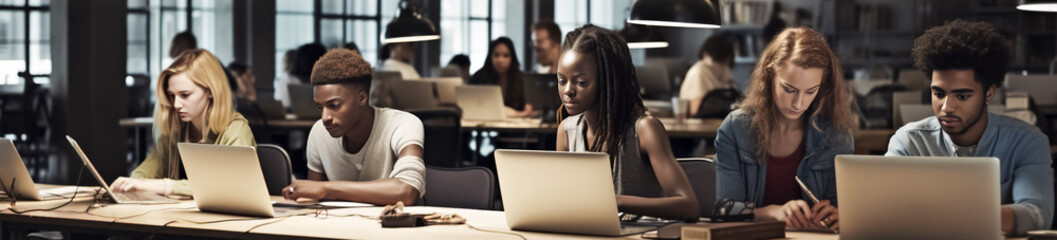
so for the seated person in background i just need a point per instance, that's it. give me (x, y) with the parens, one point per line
(397, 57)
(546, 43)
(965, 62)
(599, 89)
(711, 72)
(244, 77)
(502, 68)
(196, 108)
(357, 152)
(795, 120)
(460, 63)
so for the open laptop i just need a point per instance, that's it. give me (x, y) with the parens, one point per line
(228, 179)
(918, 197)
(411, 94)
(301, 103)
(481, 102)
(576, 196)
(541, 90)
(16, 180)
(138, 197)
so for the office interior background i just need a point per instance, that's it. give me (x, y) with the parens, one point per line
(73, 67)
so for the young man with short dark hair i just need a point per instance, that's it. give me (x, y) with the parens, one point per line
(966, 61)
(357, 152)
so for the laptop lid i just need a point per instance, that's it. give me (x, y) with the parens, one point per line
(481, 102)
(562, 192)
(226, 179)
(91, 168)
(413, 94)
(301, 102)
(13, 174)
(918, 197)
(541, 90)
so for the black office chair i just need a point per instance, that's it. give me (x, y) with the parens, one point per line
(275, 164)
(470, 187)
(718, 103)
(443, 136)
(702, 175)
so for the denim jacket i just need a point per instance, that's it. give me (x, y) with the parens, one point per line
(740, 177)
(1023, 155)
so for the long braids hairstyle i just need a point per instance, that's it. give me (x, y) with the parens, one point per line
(619, 104)
(805, 48)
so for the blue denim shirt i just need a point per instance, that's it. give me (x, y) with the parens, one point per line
(1023, 155)
(740, 177)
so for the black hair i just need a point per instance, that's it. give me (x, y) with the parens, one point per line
(307, 55)
(238, 68)
(554, 33)
(460, 60)
(619, 103)
(964, 45)
(352, 46)
(514, 94)
(719, 47)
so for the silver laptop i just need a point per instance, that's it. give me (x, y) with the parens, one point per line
(918, 197)
(576, 195)
(19, 185)
(481, 103)
(413, 94)
(301, 103)
(138, 197)
(228, 179)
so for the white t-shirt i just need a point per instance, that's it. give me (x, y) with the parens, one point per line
(406, 70)
(392, 131)
(700, 79)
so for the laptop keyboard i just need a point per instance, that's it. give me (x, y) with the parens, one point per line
(136, 196)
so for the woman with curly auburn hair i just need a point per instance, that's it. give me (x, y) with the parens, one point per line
(796, 118)
(194, 105)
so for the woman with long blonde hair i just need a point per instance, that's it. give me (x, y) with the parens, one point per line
(796, 118)
(195, 105)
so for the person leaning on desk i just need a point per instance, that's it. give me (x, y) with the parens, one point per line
(197, 108)
(357, 152)
(793, 123)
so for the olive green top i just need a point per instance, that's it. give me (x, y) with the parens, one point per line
(155, 166)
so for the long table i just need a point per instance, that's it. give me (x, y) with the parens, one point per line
(177, 220)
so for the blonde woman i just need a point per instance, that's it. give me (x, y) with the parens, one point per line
(796, 118)
(196, 108)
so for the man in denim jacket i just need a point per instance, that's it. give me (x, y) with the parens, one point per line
(965, 62)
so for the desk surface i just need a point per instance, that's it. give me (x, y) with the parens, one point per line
(338, 224)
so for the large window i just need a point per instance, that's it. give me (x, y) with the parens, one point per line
(152, 24)
(25, 39)
(332, 23)
(468, 26)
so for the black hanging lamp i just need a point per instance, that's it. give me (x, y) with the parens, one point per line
(676, 13)
(1037, 6)
(642, 37)
(409, 26)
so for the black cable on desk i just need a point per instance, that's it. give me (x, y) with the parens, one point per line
(76, 189)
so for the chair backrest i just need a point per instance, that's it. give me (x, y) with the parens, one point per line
(702, 175)
(471, 187)
(275, 164)
(443, 136)
(717, 103)
(913, 79)
(900, 98)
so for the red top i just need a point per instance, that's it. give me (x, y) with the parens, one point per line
(780, 185)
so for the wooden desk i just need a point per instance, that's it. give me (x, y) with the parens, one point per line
(147, 220)
(872, 140)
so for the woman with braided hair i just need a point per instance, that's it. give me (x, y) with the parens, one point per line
(598, 87)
